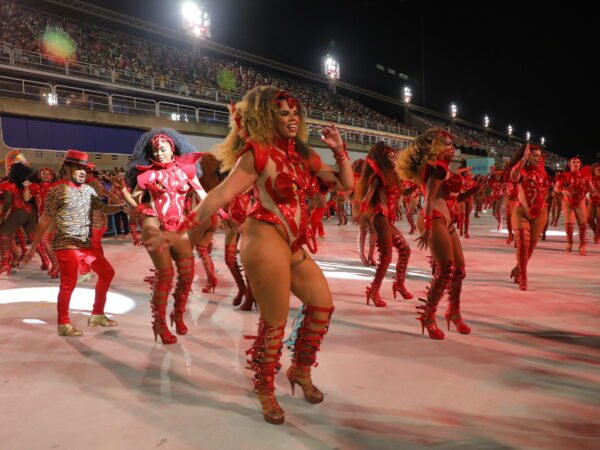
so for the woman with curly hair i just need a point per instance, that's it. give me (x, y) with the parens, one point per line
(377, 191)
(426, 162)
(574, 185)
(161, 174)
(530, 212)
(280, 167)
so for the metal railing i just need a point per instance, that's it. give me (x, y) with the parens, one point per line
(85, 70)
(74, 97)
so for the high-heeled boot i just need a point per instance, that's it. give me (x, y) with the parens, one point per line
(523, 243)
(582, 238)
(435, 291)
(264, 356)
(209, 268)
(372, 291)
(308, 342)
(453, 310)
(249, 301)
(163, 280)
(20, 237)
(236, 272)
(362, 236)
(403, 248)
(6, 254)
(569, 228)
(185, 276)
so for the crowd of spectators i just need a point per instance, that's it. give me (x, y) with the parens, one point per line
(23, 27)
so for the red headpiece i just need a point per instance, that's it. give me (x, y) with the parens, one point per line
(156, 141)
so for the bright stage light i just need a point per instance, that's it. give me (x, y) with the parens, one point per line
(331, 67)
(453, 110)
(528, 136)
(195, 20)
(407, 94)
(510, 130)
(82, 300)
(486, 121)
(543, 140)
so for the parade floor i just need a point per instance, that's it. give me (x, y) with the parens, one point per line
(527, 377)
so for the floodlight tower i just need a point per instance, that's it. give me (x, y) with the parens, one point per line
(453, 111)
(331, 69)
(407, 95)
(196, 20)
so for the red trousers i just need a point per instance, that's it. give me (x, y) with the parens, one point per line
(316, 221)
(69, 261)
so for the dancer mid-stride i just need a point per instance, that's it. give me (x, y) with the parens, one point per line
(426, 162)
(377, 191)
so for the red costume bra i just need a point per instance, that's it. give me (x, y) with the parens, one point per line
(284, 177)
(168, 184)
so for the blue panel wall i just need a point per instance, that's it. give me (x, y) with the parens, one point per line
(24, 132)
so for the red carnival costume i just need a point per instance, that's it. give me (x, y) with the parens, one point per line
(410, 198)
(574, 186)
(465, 206)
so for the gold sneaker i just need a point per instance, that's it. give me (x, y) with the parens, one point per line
(69, 330)
(100, 320)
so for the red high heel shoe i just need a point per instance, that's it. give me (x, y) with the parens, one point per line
(159, 327)
(456, 319)
(373, 294)
(427, 319)
(211, 284)
(180, 327)
(399, 287)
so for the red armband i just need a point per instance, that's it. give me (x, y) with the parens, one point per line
(341, 156)
(188, 222)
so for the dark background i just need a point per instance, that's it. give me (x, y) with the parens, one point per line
(530, 67)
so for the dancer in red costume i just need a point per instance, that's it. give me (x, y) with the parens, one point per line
(425, 161)
(410, 199)
(465, 205)
(574, 185)
(340, 207)
(377, 192)
(280, 167)
(594, 213)
(161, 174)
(16, 213)
(496, 185)
(68, 208)
(557, 199)
(38, 187)
(365, 228)
(530, 212)
(320, 207)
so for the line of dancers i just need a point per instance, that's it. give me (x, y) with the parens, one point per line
(258, 183)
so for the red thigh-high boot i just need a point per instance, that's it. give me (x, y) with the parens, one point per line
(362, 236)
(185, 276)
(372, 246)
(163, 280)
(582, 238)
(523, 237)
(403, 248)
(453, 311)
(385, 258)
(569, 228)
(308, 342)
(41, 250)
(435, 291)
(264, 356)
(236, 272)
(6, 253)
(20, 235)
(249, 301)
(209, 268)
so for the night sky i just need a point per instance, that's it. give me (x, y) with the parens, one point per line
(520, 65)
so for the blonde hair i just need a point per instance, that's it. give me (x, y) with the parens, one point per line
(254, 119)
(424, 149)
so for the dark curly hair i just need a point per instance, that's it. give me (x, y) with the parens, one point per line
(142, 151)
(19, 172)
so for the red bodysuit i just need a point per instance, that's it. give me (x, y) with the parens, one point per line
(534, 182)
(168, 184)
(389, 207)
(284, 176)
(576, 183)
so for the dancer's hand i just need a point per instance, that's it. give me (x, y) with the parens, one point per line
(331, 137)
(423, 240)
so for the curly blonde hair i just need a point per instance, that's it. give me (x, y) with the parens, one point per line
(254, 119)
(424, 149)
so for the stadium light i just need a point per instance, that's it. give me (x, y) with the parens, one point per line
(407, 94)
(486, 121)
(331, 68)
(510, 130)
(542, 140)
(453, 110)
(52, 100)
(196, 20)
(527, 136)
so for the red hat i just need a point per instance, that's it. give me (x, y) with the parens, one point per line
(77, 157)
